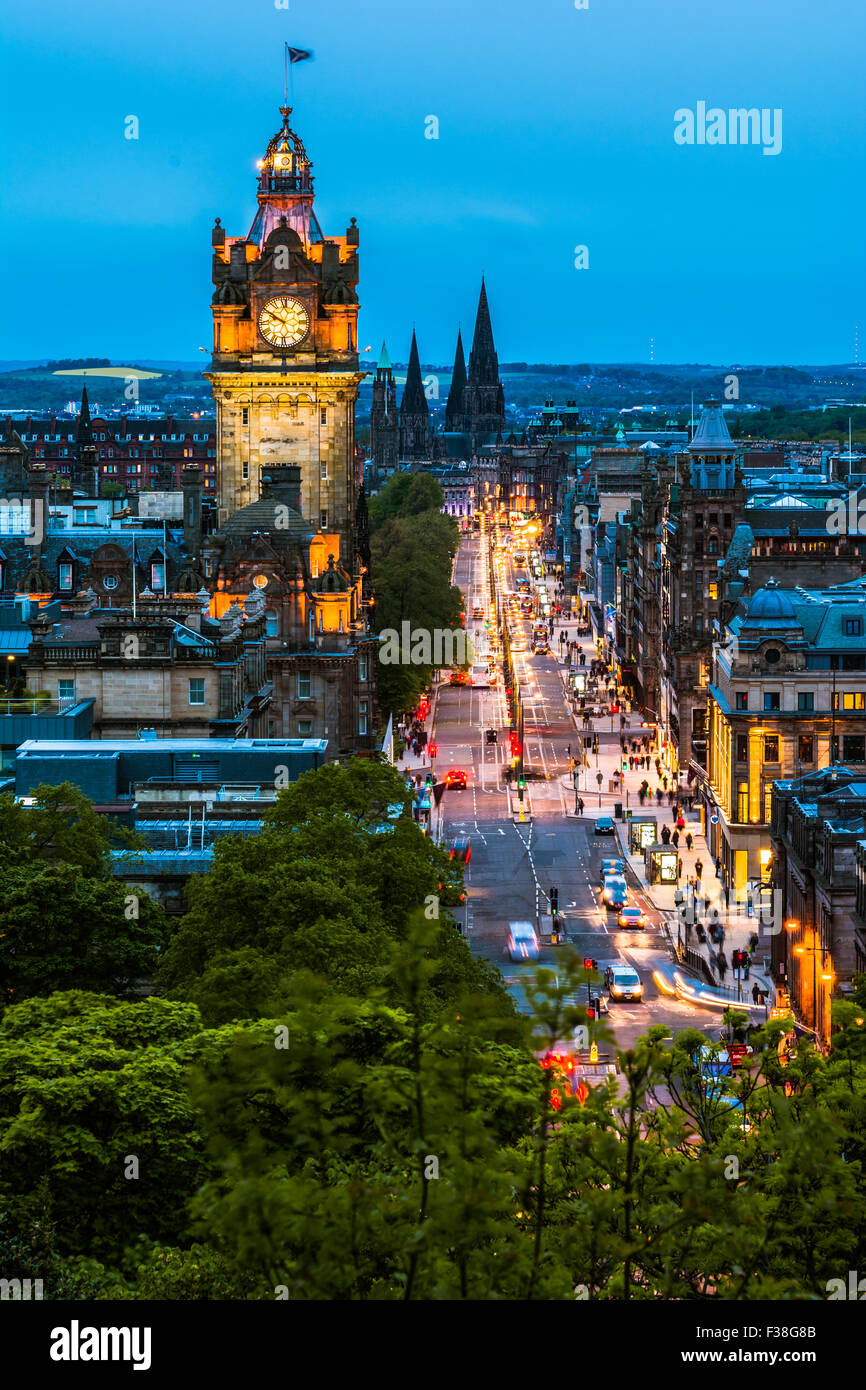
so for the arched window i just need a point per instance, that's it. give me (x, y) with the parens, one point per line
(272, 623)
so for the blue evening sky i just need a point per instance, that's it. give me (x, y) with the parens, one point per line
(555, 130)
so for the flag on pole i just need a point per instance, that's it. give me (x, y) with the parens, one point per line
(297, 55)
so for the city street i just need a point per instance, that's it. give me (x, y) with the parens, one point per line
(514, 865)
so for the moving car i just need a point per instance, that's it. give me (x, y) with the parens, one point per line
(611, 866)
(604, 826)
(632, 916)
(623, 982)
(461, 849)
(480, 677)
(522, 941)
(456, 777)
(614, 894)
(457, 678)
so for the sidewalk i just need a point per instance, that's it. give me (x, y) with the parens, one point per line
(692, 900)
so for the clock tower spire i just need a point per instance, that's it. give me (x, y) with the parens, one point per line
(285, 348)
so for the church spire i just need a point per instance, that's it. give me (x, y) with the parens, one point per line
(85, 432)
(414, 402)
(483, 362)
(454, 409)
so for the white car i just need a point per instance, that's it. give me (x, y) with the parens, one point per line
(522, 941)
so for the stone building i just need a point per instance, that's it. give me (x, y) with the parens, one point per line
(162, 665)
(787, 697)
(817, 826)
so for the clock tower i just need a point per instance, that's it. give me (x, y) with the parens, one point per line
(285, 352)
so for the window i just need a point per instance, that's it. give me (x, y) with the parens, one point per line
(742, 748)
(806, 748)
(768, 802)
(196, 690)
(771, 748)
(854, 748)
(742, 801)
(64, 577)
(741, 699)
(304, 685)
(305, 727)
(853, 627)
(805, 699)
(245, 416)
(699, 582)
(157, 576)
(272, 623)
(699, 520)
(323, 416)
(66, 690)
(727, 521)
(245, 469)
(772, 700)
(714, 591)
(699, 624)
(323, 521)
(323, 470)
(362, 717)
(713, 545)
(713, 518)
(851, 699)
(362, 667)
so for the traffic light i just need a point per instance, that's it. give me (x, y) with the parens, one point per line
(589, 963)
(428, 780)
(595, 743)
(554, 900)
(625, 764)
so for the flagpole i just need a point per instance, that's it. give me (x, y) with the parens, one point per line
(285, 74)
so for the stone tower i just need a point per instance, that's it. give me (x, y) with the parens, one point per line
(384, 420)
(285, 350)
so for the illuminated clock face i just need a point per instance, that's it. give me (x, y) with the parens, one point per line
(283, 322)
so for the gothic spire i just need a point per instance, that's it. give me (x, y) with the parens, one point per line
(84, 432)
(414, 401)
(483, 362)
(454, 409)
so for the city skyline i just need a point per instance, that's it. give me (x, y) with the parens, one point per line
(583, 152)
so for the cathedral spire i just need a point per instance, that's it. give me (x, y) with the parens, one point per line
(414, 402)
(384, 363)
(454, 409)
(483, 362)
(484, 397)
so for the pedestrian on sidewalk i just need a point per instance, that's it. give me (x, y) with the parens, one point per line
(666, 835)
(675, 838)
(641, 794)
(718, 867)
(706, 903)
(723, 966)
(727, 892)
(681, 825)
(679, 868)
(699, 869)
(689, 840)
(665, 781)
(674, 811)
(756, 993)
(659, 795)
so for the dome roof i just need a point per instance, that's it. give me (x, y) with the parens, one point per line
(771, 605)
(333, 580)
